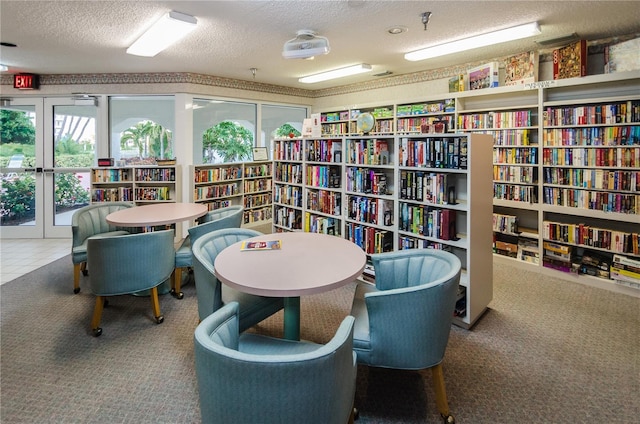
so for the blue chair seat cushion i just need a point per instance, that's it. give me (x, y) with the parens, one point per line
(253, 308)
(79, 253)
(183, 253)
(256, 344)
(361, 335)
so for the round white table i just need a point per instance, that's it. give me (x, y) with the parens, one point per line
(306, 263)
(156, 214)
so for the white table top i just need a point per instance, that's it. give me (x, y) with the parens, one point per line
(156, 214)
(306, 263)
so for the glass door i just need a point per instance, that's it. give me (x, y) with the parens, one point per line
(21, 162)
(69, 153)
(47, 147)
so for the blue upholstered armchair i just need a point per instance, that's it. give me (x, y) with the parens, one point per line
(404, 320)
(229, 217)
(128, 264)
(248, 378)
(212, 294)
(88, 222)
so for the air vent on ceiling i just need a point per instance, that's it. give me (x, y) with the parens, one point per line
(559, 40)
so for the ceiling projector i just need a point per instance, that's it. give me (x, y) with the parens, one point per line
(306, 44)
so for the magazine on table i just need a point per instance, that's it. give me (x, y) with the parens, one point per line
(261, 245)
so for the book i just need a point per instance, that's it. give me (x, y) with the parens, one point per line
(484, 76)
(261, 245)
(570, 61)
(622, 57)
(521, 68)
(456, 84)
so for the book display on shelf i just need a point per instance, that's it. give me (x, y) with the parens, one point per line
(567, 152)
(138, 184)
(622, 57)
(570, 61)
(394, 192)
(521, 68)
(249, 184)
(484, 76)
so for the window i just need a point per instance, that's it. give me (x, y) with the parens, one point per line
(223, 131)
(141, 128)
(280, 121)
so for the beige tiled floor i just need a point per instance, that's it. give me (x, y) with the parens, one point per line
(20, 256)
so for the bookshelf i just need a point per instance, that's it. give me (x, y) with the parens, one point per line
(358, 187)
(137, 184)
(287, 185)
(590, 180)
(240, 183)
(530, 167)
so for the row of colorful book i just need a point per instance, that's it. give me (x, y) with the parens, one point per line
(450, 153)
(625, 135)
(370, 210)
(583, 156)
(594, 200)
(289, 172)
(600, 179)
(589, 236)
(218, 174)
(288, 195)
(370, 239)
(324, 201)
(426, 187)
(366, 180)
(515, 193)
(428, 222)
(608, 113)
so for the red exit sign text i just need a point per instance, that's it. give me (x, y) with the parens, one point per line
(26, 81)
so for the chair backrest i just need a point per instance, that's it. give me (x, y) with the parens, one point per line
(411, 313)
(205, 250)
(130, 263)
(217, 219)
(249, 383)
(91, 220)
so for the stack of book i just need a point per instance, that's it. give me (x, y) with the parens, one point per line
(626, 271)
(557, 256)
(528, 251)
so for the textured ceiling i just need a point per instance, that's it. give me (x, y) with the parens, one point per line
(80, 37)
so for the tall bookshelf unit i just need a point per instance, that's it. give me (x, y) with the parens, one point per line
(365, 188)
(558, 183)
(138, 184)
(566, 174)
(248, 184)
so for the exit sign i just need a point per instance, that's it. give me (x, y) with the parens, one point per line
(26, 81)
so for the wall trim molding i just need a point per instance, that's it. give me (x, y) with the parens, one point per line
(214, 81)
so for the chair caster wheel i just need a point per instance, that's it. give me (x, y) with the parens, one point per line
(97, 332)
(159, 319)
(178, 295)
(76, 291)
(356, 414)
(448, 419)
(85, 272)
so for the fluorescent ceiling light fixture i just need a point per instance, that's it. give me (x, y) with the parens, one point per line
(496, 37)
(171, 28)
(336, 73)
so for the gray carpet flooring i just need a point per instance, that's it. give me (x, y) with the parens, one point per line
(547, 351)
